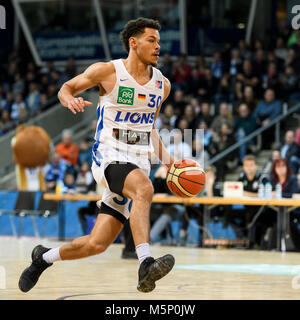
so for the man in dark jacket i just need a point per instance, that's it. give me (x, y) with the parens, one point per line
(290, 150)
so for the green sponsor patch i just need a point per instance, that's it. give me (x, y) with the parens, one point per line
(126, 95)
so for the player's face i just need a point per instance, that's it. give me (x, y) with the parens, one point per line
(148, 46)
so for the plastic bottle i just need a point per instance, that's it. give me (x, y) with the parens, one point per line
(59, 186)
(261, 190)
(268, 190)
(278, 190)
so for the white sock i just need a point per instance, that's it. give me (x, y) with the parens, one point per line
(143, 251)
(52, 255)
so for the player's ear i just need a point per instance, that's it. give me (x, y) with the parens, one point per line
(133, 42)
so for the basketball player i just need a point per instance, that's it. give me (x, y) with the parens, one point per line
(131, 94)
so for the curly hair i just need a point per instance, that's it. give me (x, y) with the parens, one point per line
(136, 27)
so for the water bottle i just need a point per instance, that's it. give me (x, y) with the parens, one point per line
(278, 190)
(261, 190)
(268, 191)
(59, 187)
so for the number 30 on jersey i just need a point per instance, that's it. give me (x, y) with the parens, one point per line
(154, 101)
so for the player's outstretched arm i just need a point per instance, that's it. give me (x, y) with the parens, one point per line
(159, 148)
(92, 76)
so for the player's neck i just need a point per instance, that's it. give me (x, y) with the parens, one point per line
(136, 67)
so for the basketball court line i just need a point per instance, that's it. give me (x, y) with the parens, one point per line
(268, 269)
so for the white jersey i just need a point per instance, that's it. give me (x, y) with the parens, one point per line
(125, 116)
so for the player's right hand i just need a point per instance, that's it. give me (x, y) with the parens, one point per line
(78, 104)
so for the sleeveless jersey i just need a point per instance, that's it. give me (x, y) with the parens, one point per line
(125, 116)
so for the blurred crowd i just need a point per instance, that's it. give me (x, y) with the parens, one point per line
(226, 96)
(26, 90)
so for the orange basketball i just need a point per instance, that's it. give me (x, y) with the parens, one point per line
(186, 178)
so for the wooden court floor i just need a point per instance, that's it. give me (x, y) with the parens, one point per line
(198, 274)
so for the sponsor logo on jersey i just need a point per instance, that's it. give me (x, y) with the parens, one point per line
(135, 117)
(141, 97)
(126, 95)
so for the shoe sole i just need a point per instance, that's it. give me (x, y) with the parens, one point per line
(160, 268)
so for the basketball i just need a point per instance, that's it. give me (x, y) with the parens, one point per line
(186, 178)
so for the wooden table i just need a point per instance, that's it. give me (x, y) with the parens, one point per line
(282, 206)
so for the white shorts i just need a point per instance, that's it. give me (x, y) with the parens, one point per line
(103, 156)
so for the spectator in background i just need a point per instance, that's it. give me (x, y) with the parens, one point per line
(164, 132)
(9, 100)
(222, 139)
(196, 105)
(190, 116)
(281, 173)
(179, 103)
(69, 184)
(33, 99)
(43, 101)
(181, 72)
(67, 149)
(52, 91)
(84, 178)
(205, 114)
(166, 66)
(44, 83)
(246, 77)
(55, 172)
(290, 150)
(198, 151)
(235, 63)
(169, 115)
(18, 86)
(244, 125)
(243, 48)
(259, 63)
(271, 78)
(205, 134)
(178, 148)
(249, 99)
(281, 52)
(224, 89)
(224, 117)
(85, 153)
(18, 109)
(217, 65)
(183, 125)
(288, 83)
(267, 110)
(292, 61)
(201, 66)
(193, 83)
(208, 86)
(267, 168)
(7, 124)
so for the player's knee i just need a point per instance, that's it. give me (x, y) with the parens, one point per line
(96, 247)
(145, 192)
